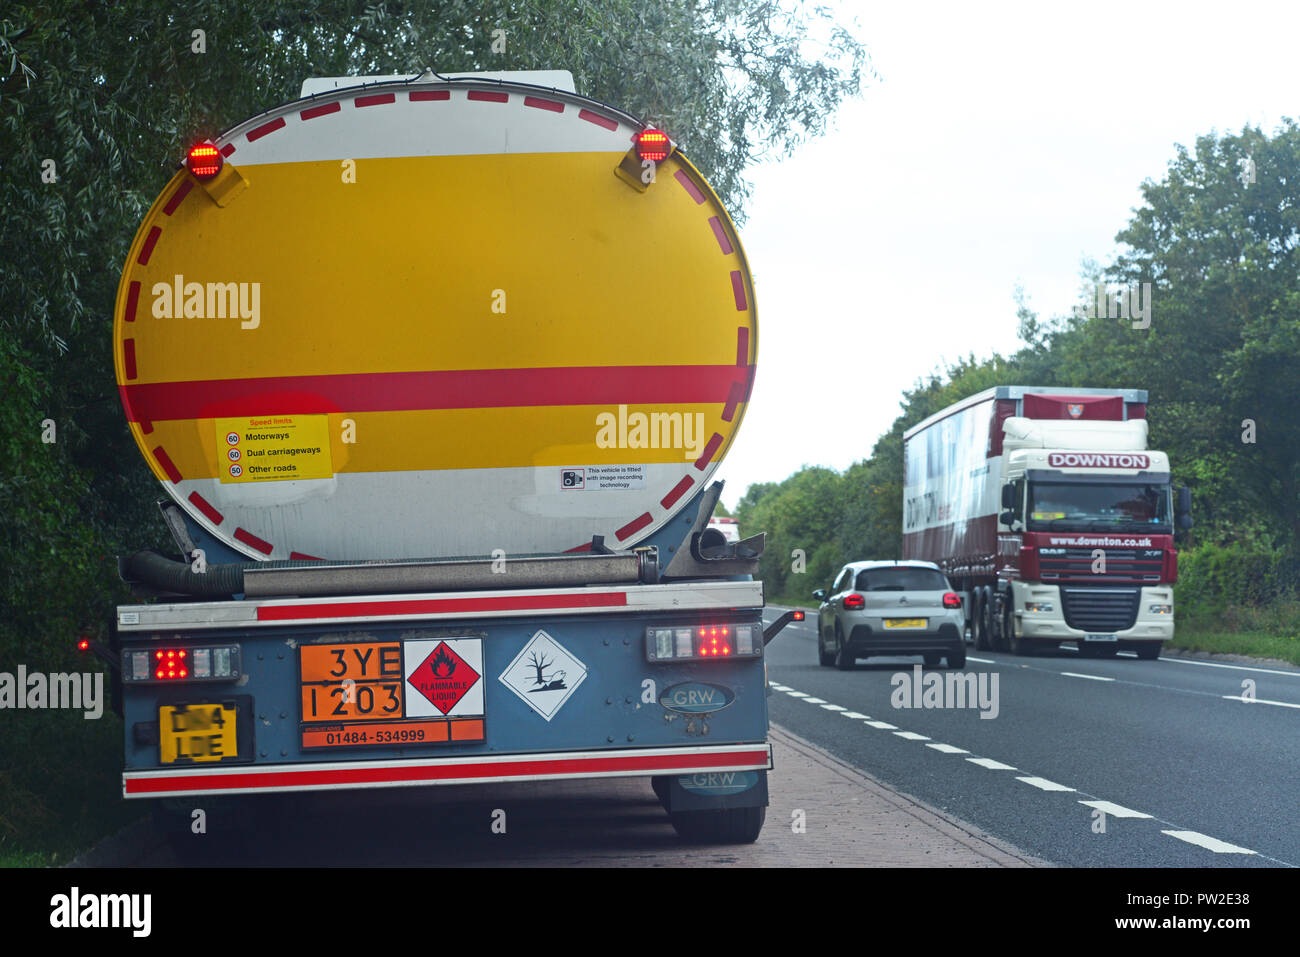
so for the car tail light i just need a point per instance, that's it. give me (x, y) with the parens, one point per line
(854, 601)
(653, 145)
(204, 161)
(951, 600)
(163, 665)
(711, 641)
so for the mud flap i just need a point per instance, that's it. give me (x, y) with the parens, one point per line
(713, 790)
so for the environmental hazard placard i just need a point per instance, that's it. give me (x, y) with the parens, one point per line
(544, 675)
(444, 676)
(274, 448)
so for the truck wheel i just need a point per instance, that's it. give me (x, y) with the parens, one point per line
(1002, 640)
(1149, 651)
(736, 825)
(957, 659)
(660, 785)
(932, 661)
(980, 622)
(843, 659)
(827, 658)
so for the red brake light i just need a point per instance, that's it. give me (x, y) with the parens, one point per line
(952, 600)
(205, 161)
(798, 616)
(171, 663)
(854, 601)
(83, 644)
(652, 145)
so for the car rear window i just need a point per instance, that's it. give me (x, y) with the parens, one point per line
(901, 579)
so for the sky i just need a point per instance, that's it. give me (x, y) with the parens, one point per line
(1000, 143)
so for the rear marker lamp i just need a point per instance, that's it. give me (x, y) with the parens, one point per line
(680, 643)
(162, 665)
(204, 161)
(854, 601)
(951, 600)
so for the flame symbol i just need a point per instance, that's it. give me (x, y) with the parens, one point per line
(442, 664)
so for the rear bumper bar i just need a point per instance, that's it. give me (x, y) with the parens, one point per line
(268, 779)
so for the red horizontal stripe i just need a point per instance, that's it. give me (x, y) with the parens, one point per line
(202, 504)
(378, 99)
(669, 500)
(149, 242)
(266, 128)
(488, 96)
(425, 95)
(433, 606)
(128, 358)
(687, 185)
(455, 389)
(182, 191)
(634, 526)
(541, 104)
(448, 772)
(324, 109)
(709, 449)
(167, 464)
(252, 541)
(599, 120)
(132, 300)
(723, 242)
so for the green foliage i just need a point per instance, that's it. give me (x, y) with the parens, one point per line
(1214, 578)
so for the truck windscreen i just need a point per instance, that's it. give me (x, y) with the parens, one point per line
(1091, 506)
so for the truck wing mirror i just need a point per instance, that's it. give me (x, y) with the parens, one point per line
(1008, 496)
(1007, 517)
(1184, 521)
(820, 594)
(1184, 500)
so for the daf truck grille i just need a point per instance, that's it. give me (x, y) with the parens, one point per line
(1123, 564)
(1100, 610)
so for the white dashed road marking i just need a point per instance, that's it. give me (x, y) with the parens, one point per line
(854, 714)
(1210, 843)
(1045, 785)
(1280, 704)
(832, 707)
(883, 725)
(983, 661)
(948, 749)
(1071, 674)
(814, 700)
(1114, 810)
(991, 764)
(911, 736)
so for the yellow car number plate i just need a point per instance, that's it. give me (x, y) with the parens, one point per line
(906, 622)
(197, 732)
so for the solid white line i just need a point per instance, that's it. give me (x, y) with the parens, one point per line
(854, 714)
(1071, 674)
(1215, 664)
(1045, 785)
(911, 736)
(991, 764)
(814, 700)
(1114, 810)
(882, 725)
(1210, 843)
(948, 749)
(832, 707)
(983, 661)
(1280, 704)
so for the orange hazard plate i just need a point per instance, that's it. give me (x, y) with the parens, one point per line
(360, 682)
(394, 734)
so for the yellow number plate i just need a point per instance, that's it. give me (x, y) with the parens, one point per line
(906, 622)
(196, 732)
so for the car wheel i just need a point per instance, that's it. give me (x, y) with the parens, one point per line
(932, 660)
(1149, 651)
(957, 659)
(843, 659)
(827, 658)
(980, 623)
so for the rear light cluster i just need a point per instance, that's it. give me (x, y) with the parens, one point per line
(653, 145)
(854, 601)
(695, 642)
(204, 161)
(951, 600)
(204, 663)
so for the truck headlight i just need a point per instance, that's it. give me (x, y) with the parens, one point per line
(1161, 609)
(1038, 606)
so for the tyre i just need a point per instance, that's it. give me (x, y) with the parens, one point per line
(1149, 651)
(979, 626)
(736, 825)
(957, 659)
(843, 659)
(1002, 640)
(1018, 646)
(827, 658)
(932, 660)
(660, 785)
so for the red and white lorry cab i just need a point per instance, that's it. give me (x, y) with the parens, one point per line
(1050, 516)
(435, 373)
